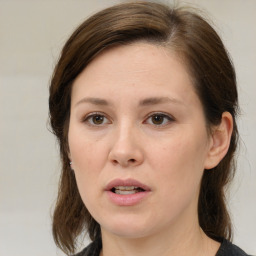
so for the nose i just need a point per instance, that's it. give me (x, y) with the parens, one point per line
(126, 150)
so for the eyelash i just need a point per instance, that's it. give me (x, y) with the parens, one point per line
(168, 119)
(89, 117)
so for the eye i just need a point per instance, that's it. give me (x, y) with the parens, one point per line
(96, 119)
(159, 119)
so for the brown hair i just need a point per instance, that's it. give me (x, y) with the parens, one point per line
(202, 50)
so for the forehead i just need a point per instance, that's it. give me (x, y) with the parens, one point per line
(140, 67)
(136, 57)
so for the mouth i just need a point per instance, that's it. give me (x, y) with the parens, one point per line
(126, 187)
(126, 190)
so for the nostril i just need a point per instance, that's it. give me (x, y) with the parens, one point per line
(115, 161)
(124, 162)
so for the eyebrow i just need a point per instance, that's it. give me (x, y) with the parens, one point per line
(158, 100)
(144, 102)
(94, 101)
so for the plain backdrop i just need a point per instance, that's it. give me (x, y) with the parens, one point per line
(31, 36)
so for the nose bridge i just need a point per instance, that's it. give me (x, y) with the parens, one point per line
(125, 131)
(125, 148)
(125, 139)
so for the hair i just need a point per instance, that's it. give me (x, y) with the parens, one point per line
(213, 75)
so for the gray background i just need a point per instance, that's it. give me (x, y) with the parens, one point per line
(31, 36)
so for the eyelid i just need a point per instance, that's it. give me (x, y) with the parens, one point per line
(165, 115)
(85, 118)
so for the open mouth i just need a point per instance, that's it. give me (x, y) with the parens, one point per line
(126, 190)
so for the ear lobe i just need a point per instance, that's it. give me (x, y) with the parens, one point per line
(220, 141)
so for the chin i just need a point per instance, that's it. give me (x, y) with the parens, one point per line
(128, 233)
(128, 227)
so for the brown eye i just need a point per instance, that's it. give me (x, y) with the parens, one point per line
(159, 119)
(98, 119)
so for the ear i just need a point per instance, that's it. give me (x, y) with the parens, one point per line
(69, 156)
(220, 141)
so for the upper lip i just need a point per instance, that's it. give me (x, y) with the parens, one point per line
(126, 182)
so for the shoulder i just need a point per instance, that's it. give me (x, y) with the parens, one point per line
(229, 249)
(93, 249)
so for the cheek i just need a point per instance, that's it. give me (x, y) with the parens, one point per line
(86, 167)
(85, 153)
(179, 164)
(178, 151)
(87, 161)
(179, 170)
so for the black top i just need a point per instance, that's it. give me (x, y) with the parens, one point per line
(226, 249)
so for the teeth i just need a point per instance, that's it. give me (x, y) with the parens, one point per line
(126, 188)
(125, 192)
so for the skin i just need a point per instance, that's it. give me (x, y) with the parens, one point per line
(126, 140)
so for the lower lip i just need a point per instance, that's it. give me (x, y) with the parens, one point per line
(127, 200)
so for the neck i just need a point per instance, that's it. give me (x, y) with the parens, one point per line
(187, 242)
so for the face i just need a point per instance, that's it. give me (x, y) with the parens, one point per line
(138, 140)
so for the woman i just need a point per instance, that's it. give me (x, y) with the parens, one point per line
(143, 102)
